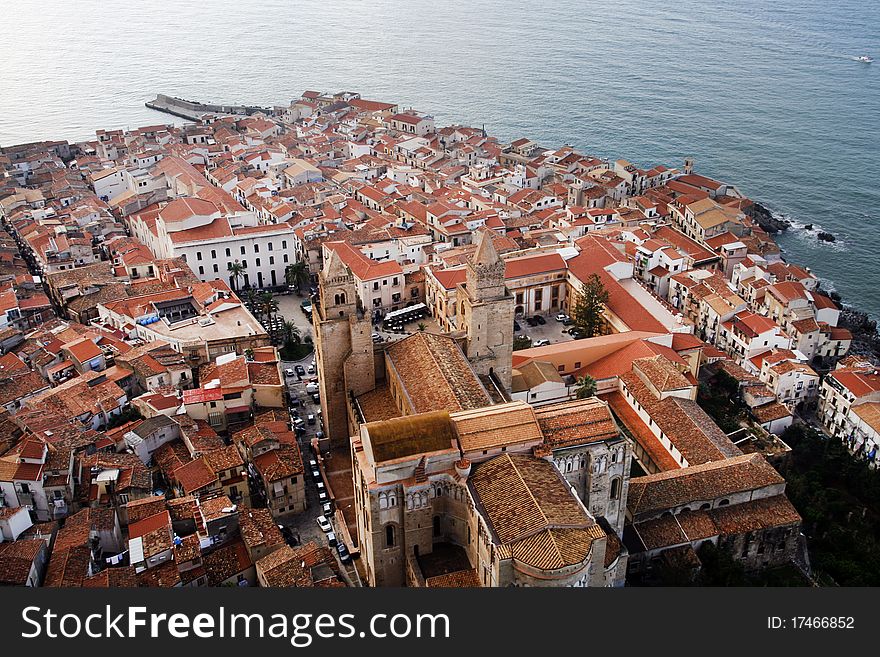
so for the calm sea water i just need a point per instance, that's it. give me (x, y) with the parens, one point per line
(766, 95)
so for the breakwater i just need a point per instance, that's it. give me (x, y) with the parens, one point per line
(193, 111)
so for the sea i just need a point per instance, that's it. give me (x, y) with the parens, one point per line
(766, 95)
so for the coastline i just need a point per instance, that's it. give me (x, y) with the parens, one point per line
(866, 336)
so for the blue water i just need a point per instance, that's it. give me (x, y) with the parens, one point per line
(765, 95)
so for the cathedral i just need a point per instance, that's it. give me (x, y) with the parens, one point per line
(454, 483)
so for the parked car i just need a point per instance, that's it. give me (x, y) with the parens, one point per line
(313, 464)
(311, 369)
(568, 322)
(331, 539)
(575, 332)
(294, 401)
(310, 418)
(300, 370)
(312, 388)
(316, 398)
(322, 497)
(288, 372)
(541, 343)
(316, 475)
(326, 509)
(531, 321)
(561, 317)
(344, 556)
(325, 525)
(540, 320)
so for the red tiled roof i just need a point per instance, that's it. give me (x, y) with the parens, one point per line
(149, 524)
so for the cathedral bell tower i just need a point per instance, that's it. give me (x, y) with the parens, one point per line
(486, 313)
(343, 348)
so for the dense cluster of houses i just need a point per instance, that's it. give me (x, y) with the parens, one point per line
(143, 403)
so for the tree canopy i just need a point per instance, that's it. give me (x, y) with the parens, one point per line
(588, 307)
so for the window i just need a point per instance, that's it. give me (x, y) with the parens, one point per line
(389, 536)
(213, 253)
(271, 260)
(270, 246)
(228, 253)
(256, 248)
(615, 488)
(216, 268)
(577, 365)
(201, 270)
(198, 255)
(258, 262)
(283, 244)
(285, 257)
(244, 263)
(242, 250)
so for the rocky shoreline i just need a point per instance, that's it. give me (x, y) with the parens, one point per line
(866, 339)
(767, 220)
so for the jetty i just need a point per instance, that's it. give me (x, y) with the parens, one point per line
(194, 111)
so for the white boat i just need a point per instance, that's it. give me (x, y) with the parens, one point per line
(864, 59)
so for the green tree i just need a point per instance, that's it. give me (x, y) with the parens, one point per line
(291, 334)
(297, 274)
(251, 298)
(422, 326)
(521, 342)
(249, 354)
(585, 387)
(268, 304)
(236, 272)
(588, 307)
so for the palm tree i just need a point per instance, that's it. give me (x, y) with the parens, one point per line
(585, 387)
(249, 354)
(236, 271)
(268, 304)
(297, 274)
(422, 326)
(291, 333)
(251, 296)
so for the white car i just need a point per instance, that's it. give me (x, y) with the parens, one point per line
(312, 388)
(311, 368)
(562, 317)
(288, 372)
(325, 525)
(540, 343)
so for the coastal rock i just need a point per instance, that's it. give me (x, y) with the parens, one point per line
(767, 220)
(866, 341)
(826, 237)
